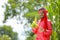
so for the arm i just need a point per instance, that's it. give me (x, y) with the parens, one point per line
(34, 30)
(48, 31)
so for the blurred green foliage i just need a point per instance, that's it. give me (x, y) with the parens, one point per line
(6, 33)
(53, 7)
(31, 16)
(5, 37)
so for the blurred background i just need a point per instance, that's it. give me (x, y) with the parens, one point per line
(17, 15)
